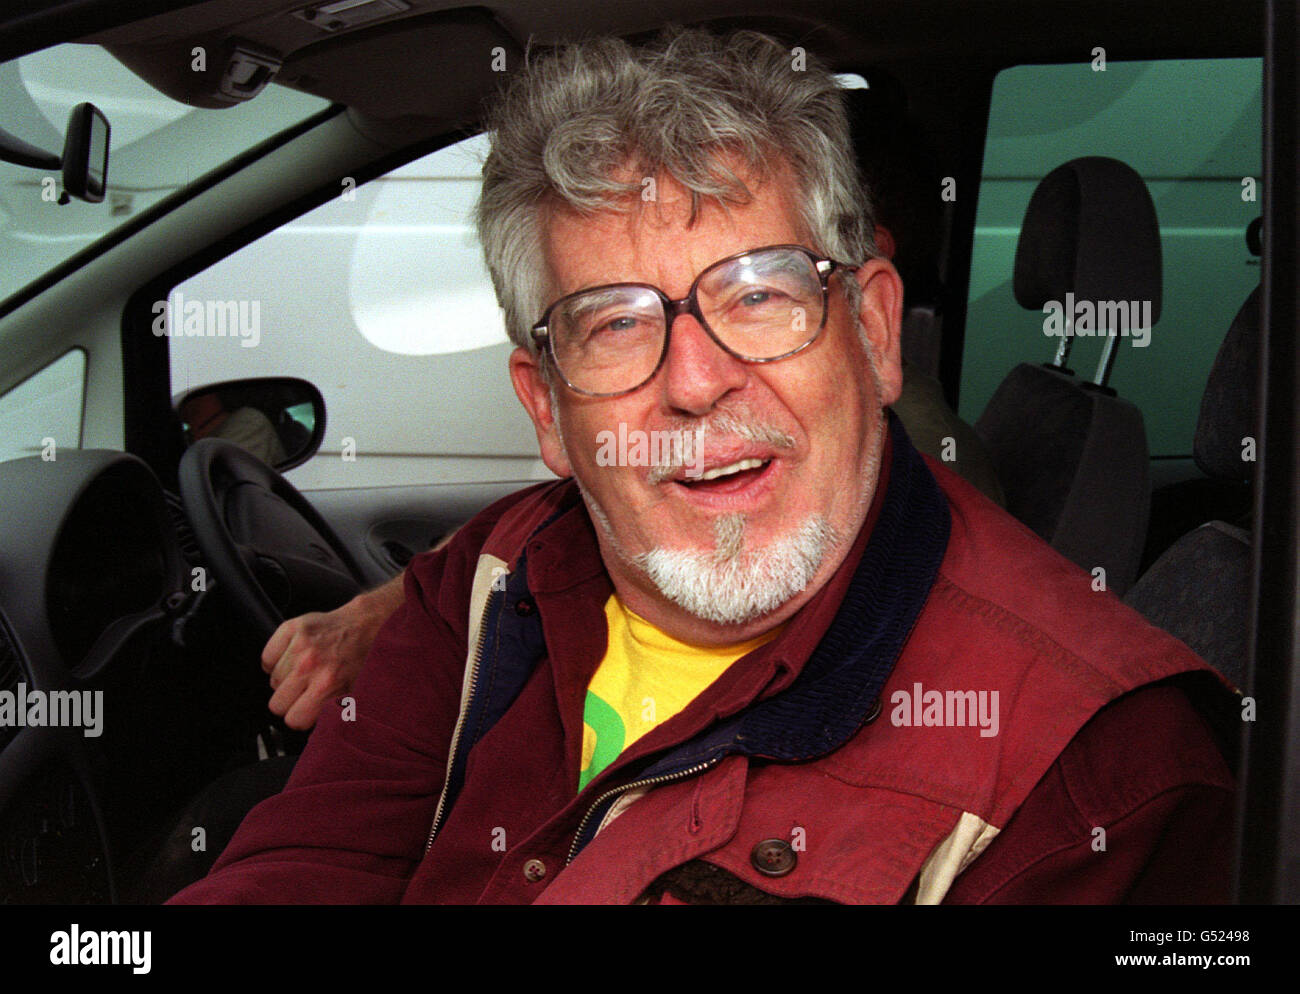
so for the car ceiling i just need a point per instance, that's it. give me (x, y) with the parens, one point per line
(433, 60)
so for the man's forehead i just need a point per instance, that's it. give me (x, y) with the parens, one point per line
(664, 226)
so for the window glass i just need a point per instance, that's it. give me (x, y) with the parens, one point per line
(1191, 129)
(380, 297)
(156, 146)
(42, 414)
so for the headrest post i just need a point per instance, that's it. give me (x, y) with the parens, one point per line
(1107, 359)
(1063, 349)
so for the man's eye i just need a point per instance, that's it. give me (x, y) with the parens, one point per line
(755, 298)
(616, 327)
(619, 324)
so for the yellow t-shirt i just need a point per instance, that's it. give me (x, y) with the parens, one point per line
(645, 678)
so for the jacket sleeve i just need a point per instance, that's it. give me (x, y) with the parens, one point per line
(350, 825)
(1138, 809)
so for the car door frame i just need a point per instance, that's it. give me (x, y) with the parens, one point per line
(1268, 865)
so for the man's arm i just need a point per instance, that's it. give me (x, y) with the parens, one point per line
(1137, 810)
(317, 656)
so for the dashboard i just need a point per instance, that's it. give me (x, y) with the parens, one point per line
(91, 579)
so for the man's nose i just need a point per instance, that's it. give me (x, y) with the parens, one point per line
(697, 371)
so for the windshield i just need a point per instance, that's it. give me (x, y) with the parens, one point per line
(157, 146)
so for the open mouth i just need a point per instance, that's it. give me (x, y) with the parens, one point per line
(730, 478)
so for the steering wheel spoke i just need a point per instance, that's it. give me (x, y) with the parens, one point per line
(267, 547)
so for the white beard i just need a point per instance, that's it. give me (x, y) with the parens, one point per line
(733, 585)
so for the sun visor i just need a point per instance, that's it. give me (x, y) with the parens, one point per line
(422, 65)
(438, 66)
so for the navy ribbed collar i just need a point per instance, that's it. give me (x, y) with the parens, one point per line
(841, 683)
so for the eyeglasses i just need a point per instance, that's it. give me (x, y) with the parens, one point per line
(758, 306)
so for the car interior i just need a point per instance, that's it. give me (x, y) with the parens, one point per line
(142, 560)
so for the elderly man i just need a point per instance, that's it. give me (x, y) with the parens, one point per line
(759, 649)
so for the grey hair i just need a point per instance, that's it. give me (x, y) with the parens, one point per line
(578, 117)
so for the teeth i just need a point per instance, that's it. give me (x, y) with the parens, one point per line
(735, 467)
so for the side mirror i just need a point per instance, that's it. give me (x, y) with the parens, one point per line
(279, 419)
(85, 154)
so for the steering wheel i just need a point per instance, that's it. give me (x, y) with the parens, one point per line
(267, 547)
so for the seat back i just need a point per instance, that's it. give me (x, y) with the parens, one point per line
(1072, 456)
(1074, 467)
(1198, 590)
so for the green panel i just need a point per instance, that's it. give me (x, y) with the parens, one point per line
(1192, 130)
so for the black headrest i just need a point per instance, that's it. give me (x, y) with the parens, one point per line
(1090, 229)
(1228, 405)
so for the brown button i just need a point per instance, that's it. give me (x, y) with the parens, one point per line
(773, 857)
(524, 607)
(534, 870)
(873, 712)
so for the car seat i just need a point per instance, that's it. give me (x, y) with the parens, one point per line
(1198, 590)
(1072, 456)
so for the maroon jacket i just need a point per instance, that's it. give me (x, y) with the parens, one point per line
(820, 767)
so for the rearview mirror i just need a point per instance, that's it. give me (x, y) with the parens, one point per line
(85, 154)
(279, 419)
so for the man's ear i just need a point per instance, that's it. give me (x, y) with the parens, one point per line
(881, 314)
(535, 395)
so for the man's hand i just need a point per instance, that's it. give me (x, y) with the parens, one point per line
(317, 656)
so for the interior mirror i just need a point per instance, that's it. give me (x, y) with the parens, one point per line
(85, 154)
(279, 419)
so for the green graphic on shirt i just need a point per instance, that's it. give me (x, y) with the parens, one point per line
(610, 733)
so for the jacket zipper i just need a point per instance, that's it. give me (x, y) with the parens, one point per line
(459, 730)
(664, 778)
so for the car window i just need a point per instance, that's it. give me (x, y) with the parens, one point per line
(380, 297)
(157, 146)
(1191, 129)
(42, 414)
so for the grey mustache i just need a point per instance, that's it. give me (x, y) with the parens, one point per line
(728, 424)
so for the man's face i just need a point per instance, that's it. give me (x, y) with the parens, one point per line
(797, 440)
